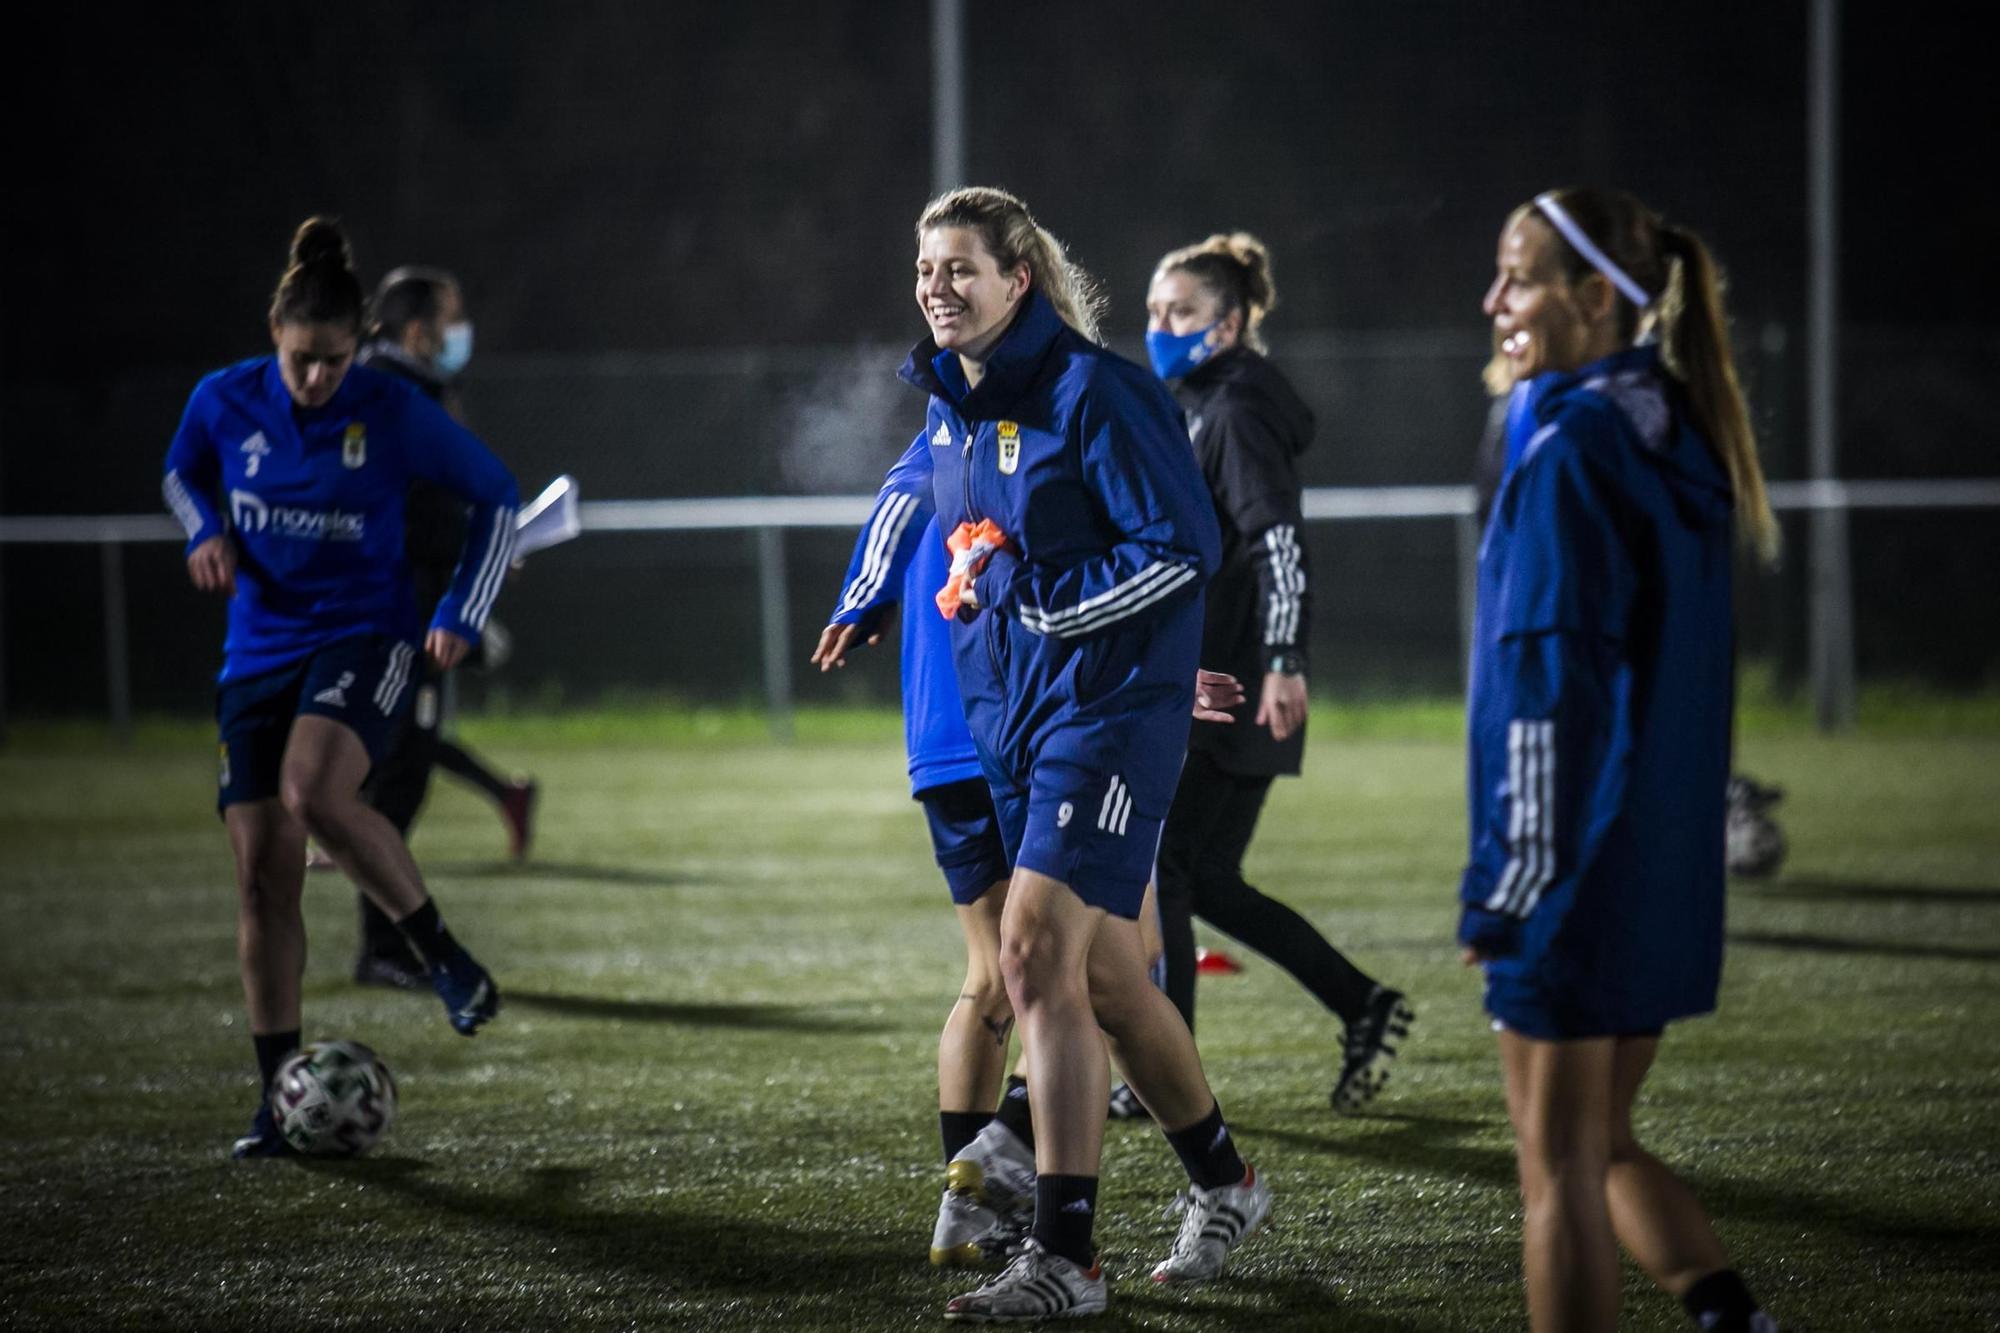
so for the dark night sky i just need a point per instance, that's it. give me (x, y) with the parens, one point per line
(632, 177)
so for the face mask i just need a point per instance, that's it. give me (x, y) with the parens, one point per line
(1175, 355)
(457, 349)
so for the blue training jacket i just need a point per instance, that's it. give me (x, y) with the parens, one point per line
(1599, 719)
(1088, 633)
(314, 500)
(900, 556)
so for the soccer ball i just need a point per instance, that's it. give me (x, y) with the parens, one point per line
(1754, 843)
(333, 1099)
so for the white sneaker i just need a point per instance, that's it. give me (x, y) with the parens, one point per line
(1213, 1222)
(971, 1234)
(1037, 1285)
(996, 1168)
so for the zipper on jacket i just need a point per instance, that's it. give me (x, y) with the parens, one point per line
(992, 616)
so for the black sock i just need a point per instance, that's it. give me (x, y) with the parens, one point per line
(1721, 1302)
(958, 1128)
(272, 1048)
(1065, 1208)
(1207, 1151)
(1014, 1112)
(379, 936)
(426, 930)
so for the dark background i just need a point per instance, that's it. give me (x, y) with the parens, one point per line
(684, 235)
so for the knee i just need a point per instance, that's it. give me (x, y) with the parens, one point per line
(1554, 1155)
(300, 797)
(1030, 968)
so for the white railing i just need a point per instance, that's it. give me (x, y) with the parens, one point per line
(770, 516)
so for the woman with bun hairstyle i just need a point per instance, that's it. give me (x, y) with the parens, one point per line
(1204, 315)
(1082, 536)
(289, 472)
(1599, 725)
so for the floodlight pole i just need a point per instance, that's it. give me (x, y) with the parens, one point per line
(947, 95)
(1831, 653)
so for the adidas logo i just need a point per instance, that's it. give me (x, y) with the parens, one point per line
(1077, 1206)
(336, 694)
(942, 439)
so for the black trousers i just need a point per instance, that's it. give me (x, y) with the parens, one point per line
(1208, 830)
(396, 787)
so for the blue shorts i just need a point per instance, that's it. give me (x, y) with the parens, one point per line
(965, 834)
(363, 681)
(1097, 833)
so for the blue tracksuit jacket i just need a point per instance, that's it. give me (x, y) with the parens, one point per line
(1084, 650)
(899, 556)
(1599, 717)
(315, 503)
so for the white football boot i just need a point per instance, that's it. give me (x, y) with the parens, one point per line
(1037, 1285)
(1213, 1222)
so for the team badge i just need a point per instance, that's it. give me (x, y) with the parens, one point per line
(354, 445)
(1010, 447)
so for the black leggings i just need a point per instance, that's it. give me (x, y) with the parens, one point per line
(1201, 874)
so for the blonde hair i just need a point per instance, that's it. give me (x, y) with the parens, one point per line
(1235, 267)
(1689, 316)
(1012, 236)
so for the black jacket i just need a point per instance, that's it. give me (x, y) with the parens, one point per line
(1249, 428)
(433, 518)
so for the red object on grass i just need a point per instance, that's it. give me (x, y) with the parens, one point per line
(1215, 963)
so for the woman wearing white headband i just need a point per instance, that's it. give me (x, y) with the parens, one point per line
(1599, 720)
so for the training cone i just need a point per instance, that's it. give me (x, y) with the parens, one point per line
(1215, 963)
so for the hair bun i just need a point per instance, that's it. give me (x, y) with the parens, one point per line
(319, 240)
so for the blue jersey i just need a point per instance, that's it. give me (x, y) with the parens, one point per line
(900, 556)
(1083, 651)
(1600, 709)
(314, 502)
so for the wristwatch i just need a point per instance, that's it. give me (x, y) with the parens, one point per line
(1289, 662)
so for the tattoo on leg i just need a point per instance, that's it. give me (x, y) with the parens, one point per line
(999, 1029)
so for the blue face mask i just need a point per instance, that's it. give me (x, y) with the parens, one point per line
(457, 349)
(1175, 355)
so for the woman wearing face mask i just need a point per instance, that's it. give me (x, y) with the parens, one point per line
(1204, 311)
(421, 333)
(1082, 537)
(289, 473)
(1599, 724)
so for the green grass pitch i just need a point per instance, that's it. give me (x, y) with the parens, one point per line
(709, 1101)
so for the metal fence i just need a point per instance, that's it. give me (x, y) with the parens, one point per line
(768, 520)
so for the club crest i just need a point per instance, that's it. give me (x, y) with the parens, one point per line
(354, 445)
(1010, 447)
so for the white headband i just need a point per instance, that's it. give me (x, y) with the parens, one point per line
(1586, 247)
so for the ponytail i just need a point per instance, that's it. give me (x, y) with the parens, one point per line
(1687, 315)
(1236, 267)
(319, 286)
(1694, 344)
(1013, 237)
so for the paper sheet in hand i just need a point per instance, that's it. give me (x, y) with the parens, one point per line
(550, 519)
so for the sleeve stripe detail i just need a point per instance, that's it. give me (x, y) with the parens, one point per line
(1288, 585)
(885, 534)
(1531, 784)
(182, 503)
(1128, 598)
(492, 569)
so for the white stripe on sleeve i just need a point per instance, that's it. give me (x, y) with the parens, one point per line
(884, 535)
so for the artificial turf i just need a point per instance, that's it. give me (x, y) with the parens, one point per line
(709, 1101)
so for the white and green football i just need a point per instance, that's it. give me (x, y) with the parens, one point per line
(333, 1099)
